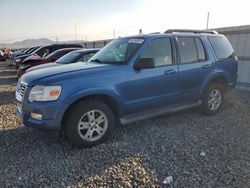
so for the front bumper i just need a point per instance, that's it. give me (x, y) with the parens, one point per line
(50, 118)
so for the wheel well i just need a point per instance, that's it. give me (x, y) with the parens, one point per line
(218, 79)
(104, 98)
(221, 80)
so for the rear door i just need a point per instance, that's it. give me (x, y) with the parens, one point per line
(194, 66)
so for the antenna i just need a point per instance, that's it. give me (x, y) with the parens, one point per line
(207, 19)
(75, 32)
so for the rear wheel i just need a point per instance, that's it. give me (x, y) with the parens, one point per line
(89, 123)
(213, 99)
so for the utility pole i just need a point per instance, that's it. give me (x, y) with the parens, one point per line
(114, 34)
(56, 40)
(75, 32)
(207, 19)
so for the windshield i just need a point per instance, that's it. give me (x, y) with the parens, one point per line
(42, 52)
(117, 51)
(69, 58)
(50, 55)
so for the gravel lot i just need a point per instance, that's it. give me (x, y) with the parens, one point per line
(196, 150)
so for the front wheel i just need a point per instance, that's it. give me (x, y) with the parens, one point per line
(213, 99)
(89, 123)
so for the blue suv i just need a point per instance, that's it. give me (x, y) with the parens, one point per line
(130, 79)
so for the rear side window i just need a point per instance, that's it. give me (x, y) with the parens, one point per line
(222, 47)
(191, 49)
(160, 50)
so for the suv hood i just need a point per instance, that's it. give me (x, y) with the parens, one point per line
(47, 65)
(33, 76)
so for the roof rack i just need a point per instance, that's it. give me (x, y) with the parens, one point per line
(190, 31)
(154, 33)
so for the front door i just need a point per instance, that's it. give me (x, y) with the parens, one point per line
(154, 87)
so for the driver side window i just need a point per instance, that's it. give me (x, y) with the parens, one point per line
(160, 50)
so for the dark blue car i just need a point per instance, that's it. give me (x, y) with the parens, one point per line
(130, 79)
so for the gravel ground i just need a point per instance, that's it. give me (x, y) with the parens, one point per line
(196, 150)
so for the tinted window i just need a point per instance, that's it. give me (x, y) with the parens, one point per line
(52, 54)
(187, 48)
(200, 49)
(86, 57)
(221, 46)
(69, 58)
(42, 52)
(160, 50)
(58, 55)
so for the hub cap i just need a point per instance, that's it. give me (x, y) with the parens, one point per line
(214, 99)
(92, 125)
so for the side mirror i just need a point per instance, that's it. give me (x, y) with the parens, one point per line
(144, 63)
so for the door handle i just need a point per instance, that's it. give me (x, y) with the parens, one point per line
(206, 66)
(170, 72)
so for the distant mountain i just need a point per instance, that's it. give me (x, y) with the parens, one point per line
(34, 42)
(28, 43)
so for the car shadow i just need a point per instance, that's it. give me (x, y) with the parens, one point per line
(33, 152)
(7, 97)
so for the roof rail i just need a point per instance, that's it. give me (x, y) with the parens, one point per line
(154, 33)
(190, 31)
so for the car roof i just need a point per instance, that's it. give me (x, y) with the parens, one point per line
(88, 49)
(66, 49)
(179, 32)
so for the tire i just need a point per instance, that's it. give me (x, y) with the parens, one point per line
(82, 128)
(213, 99)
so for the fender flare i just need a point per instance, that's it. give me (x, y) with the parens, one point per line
(215, 75)
(86, 93)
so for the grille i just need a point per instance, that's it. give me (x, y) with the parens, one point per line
(22, 89)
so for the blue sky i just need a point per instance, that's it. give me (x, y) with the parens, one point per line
(22, 19)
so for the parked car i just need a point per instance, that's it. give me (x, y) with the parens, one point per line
(82, 55)
(53, 57)
(130, 79)
(27, 51)
(16, 52)
(42, 52)
(20, 52)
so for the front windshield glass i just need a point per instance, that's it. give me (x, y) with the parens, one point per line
(50, 55)
(117, 51)
(69, 58)
(42, 52)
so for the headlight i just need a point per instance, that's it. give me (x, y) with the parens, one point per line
(18, 60)
(44, 93)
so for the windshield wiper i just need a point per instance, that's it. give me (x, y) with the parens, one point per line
(96, 60)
